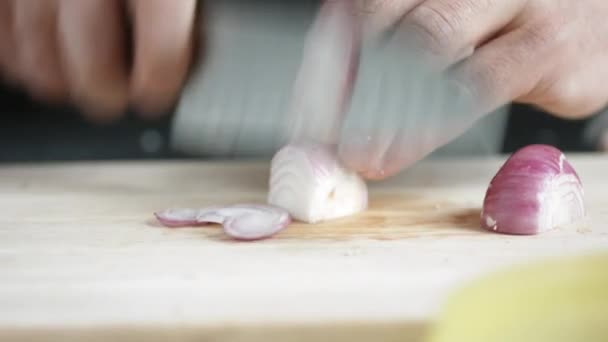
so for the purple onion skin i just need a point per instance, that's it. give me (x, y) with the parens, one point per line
(514, 202)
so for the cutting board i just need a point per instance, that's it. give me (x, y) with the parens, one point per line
(81, 257)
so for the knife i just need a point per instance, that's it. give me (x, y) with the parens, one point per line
(274, 72)
(235, 102)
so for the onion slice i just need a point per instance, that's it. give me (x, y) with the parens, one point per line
(311, 184)
(241, 222)
(536, 190)
(176, 218)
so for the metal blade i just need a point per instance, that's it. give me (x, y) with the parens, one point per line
(235, 103)
(240, 101)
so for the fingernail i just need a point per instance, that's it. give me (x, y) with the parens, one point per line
(103, 106)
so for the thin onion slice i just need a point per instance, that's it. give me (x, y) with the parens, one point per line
(254, 222)
(180, 217)
(241, 222)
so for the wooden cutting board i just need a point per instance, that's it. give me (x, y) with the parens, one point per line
(81, 257)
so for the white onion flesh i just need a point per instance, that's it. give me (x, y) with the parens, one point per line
(311, 184)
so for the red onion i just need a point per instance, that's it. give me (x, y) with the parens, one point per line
(241, 222)
(536, 190)
(310, 183)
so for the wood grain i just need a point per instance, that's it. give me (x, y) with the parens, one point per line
(81, 257)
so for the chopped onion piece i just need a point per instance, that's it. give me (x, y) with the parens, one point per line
(241, 222)
(254, 222)
(310, 183)
(536, 190)
(179, 217)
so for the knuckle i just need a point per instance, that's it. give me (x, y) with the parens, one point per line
(563, 91)
(367, 7)
(491, 82)
(544, 34)
(487, 77)
(566, 98)
(160, 78)
(434, 26)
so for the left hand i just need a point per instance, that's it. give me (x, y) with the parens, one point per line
(548, 53)
(100, 55)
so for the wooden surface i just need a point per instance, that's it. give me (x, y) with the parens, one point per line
(81, 257)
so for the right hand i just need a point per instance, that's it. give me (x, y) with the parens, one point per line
(82, 51)
(546, 53)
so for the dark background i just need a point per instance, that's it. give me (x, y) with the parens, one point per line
(30, 131)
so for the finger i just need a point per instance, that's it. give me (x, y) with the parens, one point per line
(163, 35)
(93, 43)
(379, 16)
(490, 78)
(419, 111)
(436, 112)
(572, 94)
(35, 29)
(389, 93)
(509, 67)
(8, 57)
(410, 120)
(444, 32)
(447, 114)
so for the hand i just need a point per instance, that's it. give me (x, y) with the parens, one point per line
(83, 52)
(548, 53)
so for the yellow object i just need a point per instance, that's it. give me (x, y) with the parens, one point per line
(557, 300)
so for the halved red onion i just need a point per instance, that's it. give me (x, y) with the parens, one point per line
(308, 180)
(241, 222)
(536, 190)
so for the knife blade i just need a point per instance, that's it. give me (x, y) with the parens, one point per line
(277, 71)
(236, 101)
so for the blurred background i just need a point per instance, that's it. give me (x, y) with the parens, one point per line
(32, 131)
